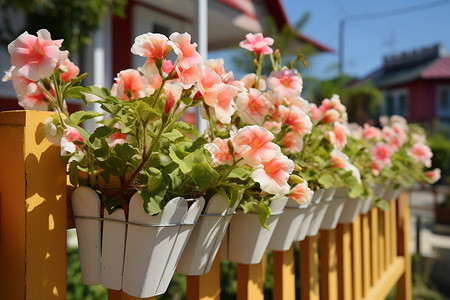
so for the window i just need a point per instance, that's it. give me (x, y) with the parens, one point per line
(396, 102)
(443, 101)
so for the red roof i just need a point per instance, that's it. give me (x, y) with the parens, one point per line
(438, 70)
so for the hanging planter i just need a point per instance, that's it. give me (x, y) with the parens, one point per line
(366, 205)
(247, 240)
(287, 226)
(321, 210)
(309, 215)
(351, 209)
(392, 192)
(335, 208)
(143, 263)
(202, 246)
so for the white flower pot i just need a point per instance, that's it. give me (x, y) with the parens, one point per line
(366, 205)
(317, 219)
(304, 226)
(335, 209)
(287, 226)
(247, 240)
(351, 209)
(143, 263)
(202, 247)
(379, 190)
(391, 192)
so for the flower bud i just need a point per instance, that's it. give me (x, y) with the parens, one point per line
(297, 168)
(170, 101)
(295, 179)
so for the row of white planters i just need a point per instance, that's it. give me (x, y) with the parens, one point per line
(140, 255)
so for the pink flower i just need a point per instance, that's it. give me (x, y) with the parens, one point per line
(254, 144)
(293, 142)
(220, 153)
(253, 106)
(301, 193)
(36, 57)
(257, 43)
(273, 175)
(376, 167)
(220, 97)
(36, 100)
(421, 153)
(300, 102)
(315, 112)
(298, 121)
(331, 116)
(272, 126)
(338, 159)
(337, 137)
(71, 72)
(151, 45)
(285, 83)
(188, 58)
(130, 81)
(433, 176)
(249, 81)
(370, 132)
(207, 79)
(70, 138)
(173, 93)
(382, 153)
(216, 65)
(117, 137)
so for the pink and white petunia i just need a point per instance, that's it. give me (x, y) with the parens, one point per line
(173, 92)
(117, 137)
(257, 43)
(293, 142)
(331, 116)
(382, 153)
(253, 106)
(249, 81)
(314, 112)
(301, 193)
(216, 65)
(285, 83)
(220, 153)
(131, 81)
(254, 144)
(220, 98)
(71, 70)
(338, 159)
(337, 137)
(433, 176)
(297, 120)
(70, 137)
(35, 57)
(273, 175)
(422, 153)
(151, 45)
(371, 132)
(36, 100)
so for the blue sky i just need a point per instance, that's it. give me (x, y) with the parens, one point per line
(368, 40)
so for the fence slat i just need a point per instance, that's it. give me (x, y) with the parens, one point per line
(328, 265)
(387, 234)
(357, 258)
(381, 243)
(393, 217)
(33, 210)
(405, 281)
(309, 273)
(207, 286)
(250, 281)
(374, 262)
(283, 274)
(365, 239)
(343, 242)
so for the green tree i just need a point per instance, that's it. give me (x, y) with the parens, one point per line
(74, 21)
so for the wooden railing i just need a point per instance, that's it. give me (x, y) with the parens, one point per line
(362, 260)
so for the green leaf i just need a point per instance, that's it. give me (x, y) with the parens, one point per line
(177, 154)
(242, 173)
(81, 116)
(327, 180)
(382, 204)
(154, 179)
(264, 213)
(173, 135)
(235, 194)
(73, 172)
(203, 175)
(74, 92)
(153, 200)
(100, 132)
(111, 204)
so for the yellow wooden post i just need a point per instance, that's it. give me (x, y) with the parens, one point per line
(393, 217)
(328, 265)
(356, 258)
(365, 238)
(250, 281)
(283, 274)
(381, 242)
(33, 210)
(309, 273)
(405, 281)
(374, 262)
(388, 240)
(343, 244)
(207, 286)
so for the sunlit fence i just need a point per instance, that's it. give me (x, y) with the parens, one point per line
(362, 260)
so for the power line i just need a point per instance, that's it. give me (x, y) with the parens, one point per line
(375, 15)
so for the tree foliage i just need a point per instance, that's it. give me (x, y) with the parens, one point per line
(74, 21)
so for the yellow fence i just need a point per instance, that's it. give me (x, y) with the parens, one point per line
(363, 260)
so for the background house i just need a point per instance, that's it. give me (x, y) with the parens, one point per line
(228, 23)
(416, 84)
